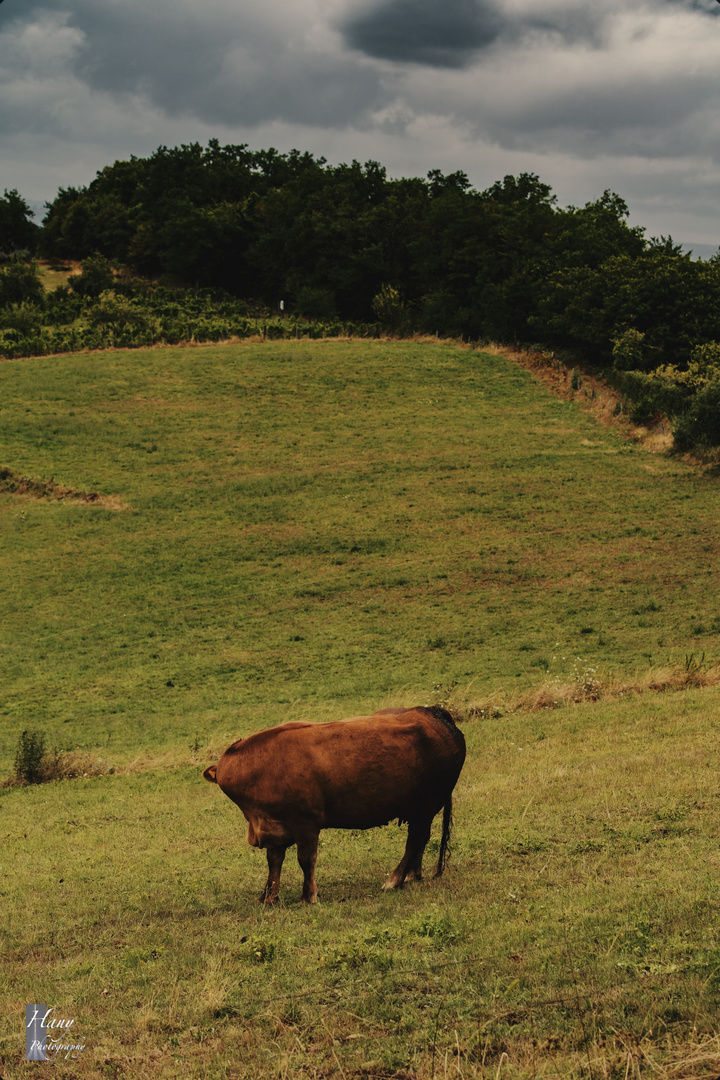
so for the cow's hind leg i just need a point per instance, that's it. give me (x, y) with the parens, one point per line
(275, 856)
(307, 846)
(410, 866)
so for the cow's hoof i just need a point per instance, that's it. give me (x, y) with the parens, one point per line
(392, 883)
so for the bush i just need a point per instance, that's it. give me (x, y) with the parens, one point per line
(274, 331)
(389, 309)
(36, 765)
(26, 318)
(20, 283)
(124, 318)
(314, 303)
(628, 352)
(28, 757)
(699, 426)
(96, 276)
(650, 395)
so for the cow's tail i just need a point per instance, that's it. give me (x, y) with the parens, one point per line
(445, 838)
(209, 774)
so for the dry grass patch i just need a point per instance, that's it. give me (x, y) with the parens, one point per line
(14, 484)
(62, 765)
(587, 685)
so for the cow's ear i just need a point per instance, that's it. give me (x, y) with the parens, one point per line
(209, 774)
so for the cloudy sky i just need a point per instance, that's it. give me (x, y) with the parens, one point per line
(588, 94)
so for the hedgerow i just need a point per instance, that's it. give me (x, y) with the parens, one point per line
(134, 314)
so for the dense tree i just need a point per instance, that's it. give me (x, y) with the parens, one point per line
(506, 263)
(18, 232)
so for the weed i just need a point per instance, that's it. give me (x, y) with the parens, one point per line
(693, 666)
(587, 683)
(436, 928)
(261, 950)
(444, 693)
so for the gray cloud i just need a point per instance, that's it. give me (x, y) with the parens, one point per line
(452, 33)
(439, 34)
(243, 64)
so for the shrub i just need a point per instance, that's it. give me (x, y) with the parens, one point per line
(28, 757)
(650, 395)
(699, 426)
(20, 283)
(703, 367)
(315, 303)
(627, 351)
(26, 318)
(390, 309)
(96, 276)
(120, 315)
(274, 331)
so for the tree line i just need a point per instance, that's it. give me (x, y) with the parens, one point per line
(346, 243)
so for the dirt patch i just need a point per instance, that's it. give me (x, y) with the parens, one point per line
(14, 484)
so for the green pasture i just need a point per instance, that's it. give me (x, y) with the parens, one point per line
(314, 530)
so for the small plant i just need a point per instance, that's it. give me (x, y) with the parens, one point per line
(587, 684)
(28, 757)
(96, 276)
(692, 665)
(436, 928)
(350, 958)
(261, 950)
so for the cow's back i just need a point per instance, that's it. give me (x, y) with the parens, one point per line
(354, 773)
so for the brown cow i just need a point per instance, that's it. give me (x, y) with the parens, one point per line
(293, 780)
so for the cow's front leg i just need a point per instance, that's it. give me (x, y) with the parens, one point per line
(307, 847)
(275, 856)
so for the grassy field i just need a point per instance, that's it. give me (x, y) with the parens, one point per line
(314, 530)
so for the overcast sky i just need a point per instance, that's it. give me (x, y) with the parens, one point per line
(588, 94)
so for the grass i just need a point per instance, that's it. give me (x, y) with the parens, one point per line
(323, 524)
(314, 530)
(53, 274)
(578, 916)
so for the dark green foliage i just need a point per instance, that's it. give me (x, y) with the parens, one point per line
(699, 425)
(673, 302)
(20, 282)
(25, 318)
(504, 264)
(315, 303)
(96, 276)
(650, 397)
(325, 239)
(17, 231)
(29, 755)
